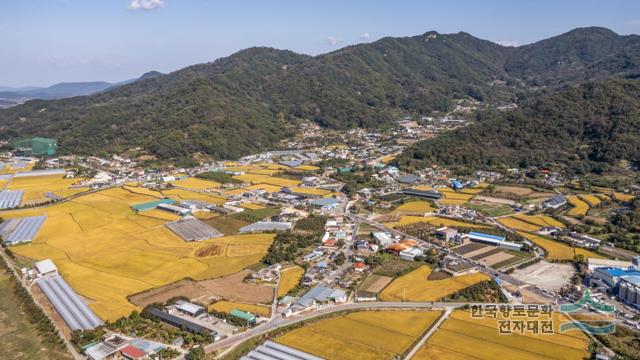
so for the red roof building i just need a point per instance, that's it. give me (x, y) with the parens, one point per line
(132, 353)
(359, 266)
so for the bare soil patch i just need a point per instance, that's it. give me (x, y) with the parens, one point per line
(376, 283)
(230, 287)
(546, 275)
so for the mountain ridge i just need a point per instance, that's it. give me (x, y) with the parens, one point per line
(253, 98)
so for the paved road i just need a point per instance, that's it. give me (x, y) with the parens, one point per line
(230, 343)
(429, 333)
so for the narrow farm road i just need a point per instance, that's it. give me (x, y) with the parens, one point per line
(428, 334)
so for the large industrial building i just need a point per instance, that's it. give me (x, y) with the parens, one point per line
(493, 240)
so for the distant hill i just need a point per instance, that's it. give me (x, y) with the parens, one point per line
(583, 128)
(65, 90)
(253, 99)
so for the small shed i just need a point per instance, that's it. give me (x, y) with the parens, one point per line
(46, 267)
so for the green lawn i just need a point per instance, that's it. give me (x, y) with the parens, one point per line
(490, 210)
(18, 337)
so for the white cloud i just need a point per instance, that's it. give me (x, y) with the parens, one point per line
(365, 36)
(334, 40)
(146, 4)
(508, 42)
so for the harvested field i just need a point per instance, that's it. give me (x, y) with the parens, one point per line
(480, 251)
(467, 248)
(231, 287)
(523, 192)
(496, 258)
(375, 283)
(106, 252)
(289, 279)
(464, 337)
(495, 200)
(228, 306)
(361, 335)
(486, 252)
(416, 287)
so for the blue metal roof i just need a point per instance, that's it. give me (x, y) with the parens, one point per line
(616, 272)
(494, 237)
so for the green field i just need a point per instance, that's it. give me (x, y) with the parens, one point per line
(490, 210)
(18, 337)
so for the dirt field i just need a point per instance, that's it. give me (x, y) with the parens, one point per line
(546, 275)
(467, 248)
(480, 251)
(496, 258)
(375, 283)
(229, 287)
(523, 191)
(495, 200)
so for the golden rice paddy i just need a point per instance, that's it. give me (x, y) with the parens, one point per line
(464, 337)
(195, 183)
(415, 286)
(361, 335)
(266, 179)
(435, 221)
(556, 250)
(580, 208)
(107, 252)
(623, 197)
(513, 223)
(228, 306)
(35, 187)
(540, 220)
(415, 207)
(592, 200)
(289, 279)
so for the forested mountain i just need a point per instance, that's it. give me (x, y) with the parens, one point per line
(584, 128)
(252, 99)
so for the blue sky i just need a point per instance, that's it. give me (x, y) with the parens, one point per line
(49, 41)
